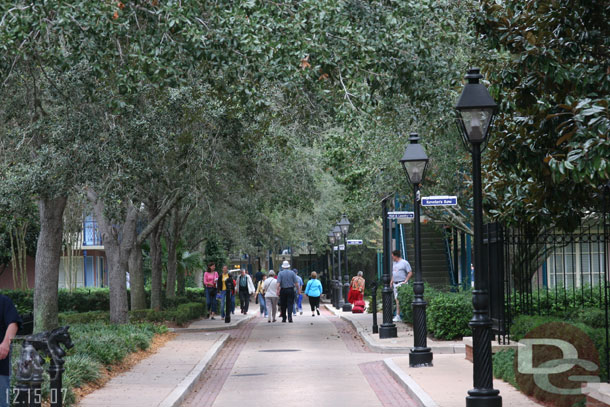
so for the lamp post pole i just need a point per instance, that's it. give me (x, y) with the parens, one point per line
(339, 288)
(340, 302)
(309, 257)
(420, 354)
(347, 307)
(475, 111)
(415, 162)
(483, 393)
(388, 327)
(343, 225)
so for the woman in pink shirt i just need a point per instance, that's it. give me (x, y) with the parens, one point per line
(210, 278)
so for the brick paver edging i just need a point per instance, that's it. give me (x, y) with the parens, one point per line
(389, 391)
(210, 384)
(411, 387)
(177, 396)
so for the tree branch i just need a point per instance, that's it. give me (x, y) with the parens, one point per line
(157, 219)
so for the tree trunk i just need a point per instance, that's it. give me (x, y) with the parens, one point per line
(181, 281)
(48, 255)
(136, 278)
(198, 278)
(172, 259)
(117, 252)
(156, 275)
(172, 262)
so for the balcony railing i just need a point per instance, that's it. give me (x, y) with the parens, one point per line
(91, 233)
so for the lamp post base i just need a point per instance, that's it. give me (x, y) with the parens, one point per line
(484, 398)
(420, 357)
(387, 331)
(347, 307)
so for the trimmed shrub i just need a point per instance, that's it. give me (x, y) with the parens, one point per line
(180, 315)
(23, 299)
(503, 366)
(522, 324)
(525, 323)
(71, 318)
(593, 317)
(448, 315)
(94, 299)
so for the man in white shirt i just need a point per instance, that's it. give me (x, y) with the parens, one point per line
(401, 274)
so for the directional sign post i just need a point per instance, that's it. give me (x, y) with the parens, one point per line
(354, 242)
(439, 201)
(401, 215)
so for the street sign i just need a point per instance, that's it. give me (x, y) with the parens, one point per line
(354, 242)
(340, 247)
(439, 201)
(401, 215)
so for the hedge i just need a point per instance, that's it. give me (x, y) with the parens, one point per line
(179, 315)
(447, 313)
(525, 323)
(94, 299)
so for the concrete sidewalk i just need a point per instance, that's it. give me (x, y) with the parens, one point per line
(363, 324)
(163, 379)
(446, 384)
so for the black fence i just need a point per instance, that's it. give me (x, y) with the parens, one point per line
(546, 272)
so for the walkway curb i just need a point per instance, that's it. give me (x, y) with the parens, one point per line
(366, 337)
(411, 387)
(182, 390)
(213, 328)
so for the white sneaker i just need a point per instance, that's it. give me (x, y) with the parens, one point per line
(397, 318)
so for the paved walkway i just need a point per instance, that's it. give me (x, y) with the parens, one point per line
(314, 361)
(455, 374)
(328, 360)
(363, 323)
(153, 379)
(217, 324)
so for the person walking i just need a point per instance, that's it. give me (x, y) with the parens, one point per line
(233, 295)
(210, 280)
(270, 289)
(258, 277)
(221, 287)
(246, 288)
(287, 282)
(298, 298)
(401, 274)
(356, 289)
(313, 291)
(10, 321)
(260, 296)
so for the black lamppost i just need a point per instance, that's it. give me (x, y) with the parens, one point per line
(415, 162)
(475, 111)
(258, 254)
(337, 233)
(344, 226)
(309, 257)
(388, 327)
(333, 292)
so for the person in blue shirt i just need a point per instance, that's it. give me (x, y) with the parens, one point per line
(298, 297)
(287, 282)
(313, 291)
(10, 321)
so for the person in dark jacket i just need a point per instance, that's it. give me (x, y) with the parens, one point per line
(10, 321)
